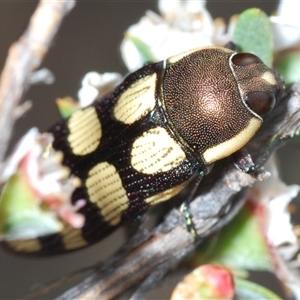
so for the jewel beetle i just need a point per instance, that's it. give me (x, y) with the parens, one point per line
(145, 141)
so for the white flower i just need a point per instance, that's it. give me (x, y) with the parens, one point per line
(183, 25)
(95, 85)
(275, 196)
(50, 183)
(286, 24)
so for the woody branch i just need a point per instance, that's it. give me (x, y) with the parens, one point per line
(25, 57)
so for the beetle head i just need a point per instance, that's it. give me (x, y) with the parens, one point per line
(216, 99)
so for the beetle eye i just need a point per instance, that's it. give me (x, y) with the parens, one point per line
(261, 102)
(245, 59)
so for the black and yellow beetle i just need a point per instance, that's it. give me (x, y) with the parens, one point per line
(163, 124)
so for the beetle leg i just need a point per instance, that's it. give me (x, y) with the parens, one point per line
(244, 162)
(185, 207)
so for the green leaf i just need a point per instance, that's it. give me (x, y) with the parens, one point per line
(142, 48)
(67, 106)
(253, 34)
(289, 67)
(21, 215)
(249, 290)
(240, 244)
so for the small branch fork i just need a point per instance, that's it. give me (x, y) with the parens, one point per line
(24, 57)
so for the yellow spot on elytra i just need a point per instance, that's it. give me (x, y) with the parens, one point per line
(155, 151)
(85, 131)
(232, 145)
(137, 100)
(72, 238)
(105, 189)
(28, 245)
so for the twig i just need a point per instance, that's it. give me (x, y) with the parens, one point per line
(24, 57)
(148, 256)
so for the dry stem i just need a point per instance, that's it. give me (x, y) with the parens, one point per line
(24, 57)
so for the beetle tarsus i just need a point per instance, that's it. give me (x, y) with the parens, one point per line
(244, 162)
(185, 210)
